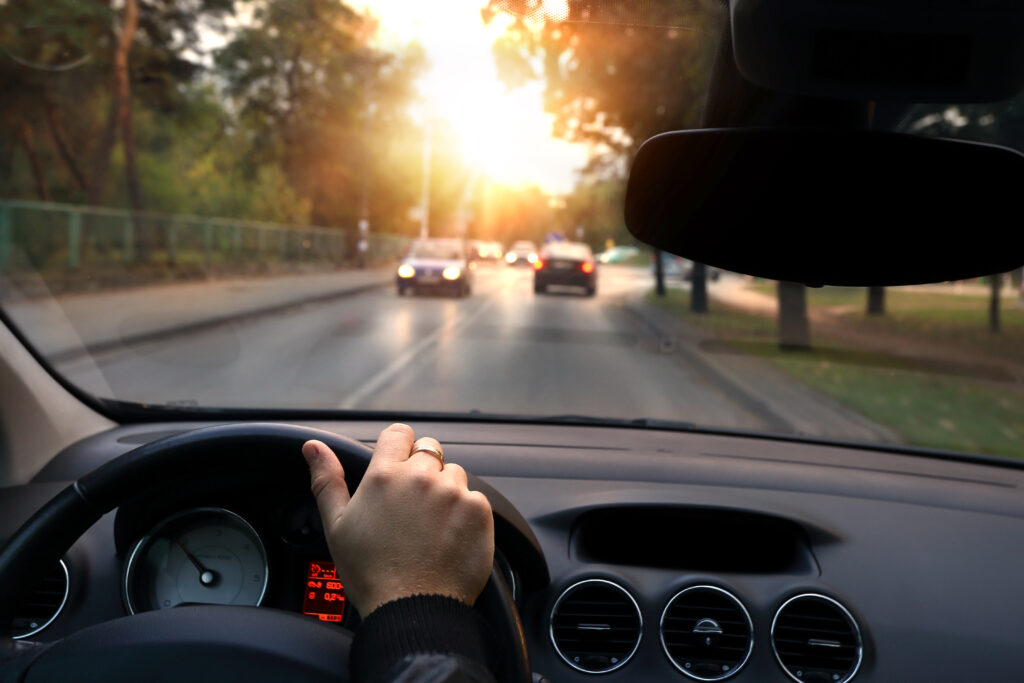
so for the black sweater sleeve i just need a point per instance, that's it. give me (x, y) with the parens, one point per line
(422, 638)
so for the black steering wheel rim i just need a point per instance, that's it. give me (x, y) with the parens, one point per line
(48, 534)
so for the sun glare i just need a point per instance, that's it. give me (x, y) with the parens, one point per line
(505, 134)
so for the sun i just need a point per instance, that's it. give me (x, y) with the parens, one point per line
(504, 134)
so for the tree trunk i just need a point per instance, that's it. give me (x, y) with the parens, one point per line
(996, 283)
(130, 168)
(659, 274)
(876, 300)
(28, 142)
(57, 135)
(119, 101)
(794, 328)
(698, 288)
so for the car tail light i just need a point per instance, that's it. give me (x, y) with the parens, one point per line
(538, 264)
(587, 267)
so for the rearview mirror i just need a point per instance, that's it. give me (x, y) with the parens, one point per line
(825, 207)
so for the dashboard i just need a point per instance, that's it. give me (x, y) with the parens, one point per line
(634, 553)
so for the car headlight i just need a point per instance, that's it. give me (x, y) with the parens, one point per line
(405, 270)
(451, 273)
(510, 257)
(532, 258)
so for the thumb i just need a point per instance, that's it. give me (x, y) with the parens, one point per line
(327, 480)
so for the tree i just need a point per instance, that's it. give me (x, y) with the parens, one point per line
(308, 84)
(995, 282)
(876, 301)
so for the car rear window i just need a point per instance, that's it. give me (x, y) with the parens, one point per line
(573, 251)
(436, 250)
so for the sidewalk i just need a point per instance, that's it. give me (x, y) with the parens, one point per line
(70, 325)
(784, 404)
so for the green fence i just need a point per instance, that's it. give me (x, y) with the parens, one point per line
(49, 237)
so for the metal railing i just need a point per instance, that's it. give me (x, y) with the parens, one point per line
(51, 237)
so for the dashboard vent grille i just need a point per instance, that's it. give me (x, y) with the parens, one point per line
(706, 633)
(42, 605)
(816, 639)
(596, 626)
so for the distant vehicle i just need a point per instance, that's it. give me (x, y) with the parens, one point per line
(485, 251)
(439, 265)
(521, 253)
(618, 254)
(679, 268)
(497, 251)
(569, 264)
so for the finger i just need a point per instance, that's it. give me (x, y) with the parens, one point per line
(427, 462)
(457, 474)
(393, 445)
(430, 447)
(327, 480)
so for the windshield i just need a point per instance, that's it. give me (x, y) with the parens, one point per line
(209, 205)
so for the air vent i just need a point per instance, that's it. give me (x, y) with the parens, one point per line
(596, 626)
(706, 633)
(41, 606)
(816, 639)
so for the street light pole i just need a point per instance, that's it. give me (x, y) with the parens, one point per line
(425, 197)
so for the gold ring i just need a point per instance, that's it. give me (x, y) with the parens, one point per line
(429, 449)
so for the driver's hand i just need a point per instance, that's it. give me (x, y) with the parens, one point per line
(412, 527)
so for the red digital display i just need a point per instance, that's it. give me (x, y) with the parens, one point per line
(324, 597)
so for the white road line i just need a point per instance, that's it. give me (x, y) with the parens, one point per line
(376, 382)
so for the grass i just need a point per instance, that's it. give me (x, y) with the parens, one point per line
(933, 403)
(956, 320)
(936, 411)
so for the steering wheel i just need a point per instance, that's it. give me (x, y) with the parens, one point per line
(238, 643)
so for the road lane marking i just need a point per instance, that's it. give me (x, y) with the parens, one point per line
(382, 378)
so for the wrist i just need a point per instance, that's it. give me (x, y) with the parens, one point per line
(419, 624)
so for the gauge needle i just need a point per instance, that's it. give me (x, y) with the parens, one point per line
(206, 577)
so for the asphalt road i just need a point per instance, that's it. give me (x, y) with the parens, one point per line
(502, 350)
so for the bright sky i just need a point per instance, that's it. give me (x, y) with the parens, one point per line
(506, 134)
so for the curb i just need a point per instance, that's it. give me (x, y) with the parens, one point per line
(99, 347)
(735, 390)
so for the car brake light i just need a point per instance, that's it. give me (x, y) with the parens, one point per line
(587, 267)
(538, 264)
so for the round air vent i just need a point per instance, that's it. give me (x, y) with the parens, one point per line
(42, 605)
(706, 633)
(595, 626)
(816, 639)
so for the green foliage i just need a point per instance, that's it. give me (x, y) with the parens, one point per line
(616, 83)
(297, 117)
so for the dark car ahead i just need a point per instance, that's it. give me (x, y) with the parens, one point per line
(566, 264)
(438, 265)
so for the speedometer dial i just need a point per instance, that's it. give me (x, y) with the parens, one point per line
(200, 556)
